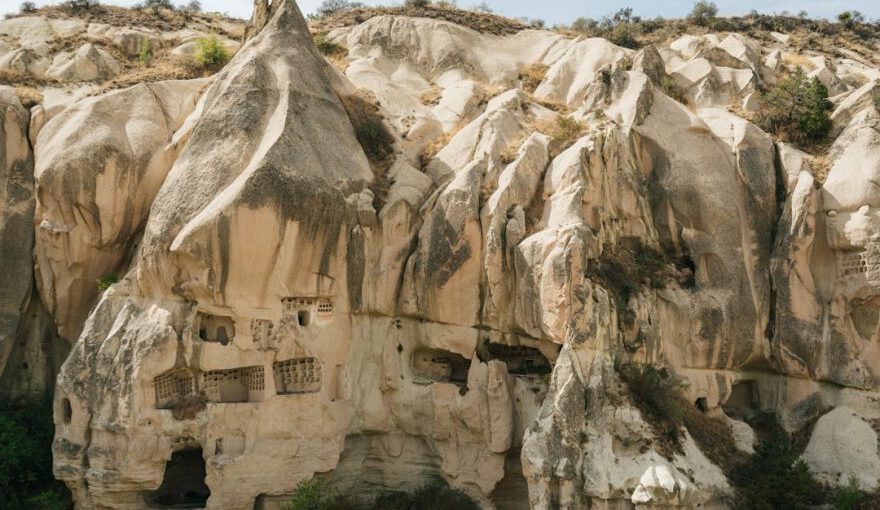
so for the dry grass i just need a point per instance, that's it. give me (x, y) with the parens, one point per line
(166, 20)
(531, 76)
(480, 21)
(28, 96)
(432, 97)
(821, 165)
(563, 132)
(793, 60)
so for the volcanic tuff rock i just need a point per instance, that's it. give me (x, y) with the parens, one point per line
(289, 307)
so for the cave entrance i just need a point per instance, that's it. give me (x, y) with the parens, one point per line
(743, 400)
(437, 365)
(184, 483)
(520, 360)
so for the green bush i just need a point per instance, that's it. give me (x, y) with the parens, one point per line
(774, 477)
(26, 480)
(328, 47)
(313, 494)
(145, 53)
(703, 12)
(79, 5)
(796, 109)
(105, 282)
(435, 496)
(417, 3)
(210, 52)
(657, 393)
(27, 7)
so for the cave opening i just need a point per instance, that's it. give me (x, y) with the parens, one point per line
(183, 485)
(742, 401)
(438, 365)
(520, 360)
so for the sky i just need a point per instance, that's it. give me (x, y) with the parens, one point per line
(564, 11)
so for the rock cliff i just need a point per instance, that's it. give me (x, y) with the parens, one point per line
(551, 211)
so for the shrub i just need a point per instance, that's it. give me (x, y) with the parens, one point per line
(26, 481)
(483, 7)
(563, 132)
(850, 18)
(774, 477)
(531, 76)
(79, 5)
(145, 54)
(657, 394)
(328, 47)
(703, 12)
(193, 6)
(436, 496)
(796, 109)
(417, 3)
(106, 281)
(27, 7)
(369, 128)
(624, 35)
(157, 5)
(313, 494)
(584, 25)
(210, 52)
(329, 7)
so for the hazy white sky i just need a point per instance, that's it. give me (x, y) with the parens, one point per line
(564, 11)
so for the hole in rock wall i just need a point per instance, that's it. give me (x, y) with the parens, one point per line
(742, 401)
(297, 375)
(325, 307)
(66, 410)
(216, 328)
(512, 492)
(436, 365)
(183, 485)
(233, 385)
(865, 316)
(520, 360)
(302, 318)
(263, 331)
(172, 386)
(701, 404)
(852, 262)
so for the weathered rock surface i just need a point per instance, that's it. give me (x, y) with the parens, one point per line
(287, 308)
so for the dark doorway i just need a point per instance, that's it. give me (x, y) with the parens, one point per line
(184, 483)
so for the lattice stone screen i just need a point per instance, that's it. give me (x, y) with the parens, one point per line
(297, 375)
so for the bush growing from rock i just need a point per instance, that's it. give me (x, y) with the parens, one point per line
(796, 109)
(28, 7)
(210, 52)
(79, 5)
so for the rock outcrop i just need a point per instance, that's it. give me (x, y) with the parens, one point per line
(253, 295)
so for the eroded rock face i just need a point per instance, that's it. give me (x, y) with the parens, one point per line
(287, 310)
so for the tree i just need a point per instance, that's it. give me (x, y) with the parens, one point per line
(194, 6)
(483, 7)
(417, 3)
(79, 5)
(702, 12)
(27, 7)
(850, 18)
(329, 7)
(797, 108)
(584, 25)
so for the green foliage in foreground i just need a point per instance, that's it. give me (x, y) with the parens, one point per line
(316, 494)
(210, 52)
(26, 481)
(797, 109)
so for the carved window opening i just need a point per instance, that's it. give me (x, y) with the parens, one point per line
(437, 365)
(853, 263)
(183, 485)
(743, 400)
(297, 375)
(325, 307)
(701, 404)
(520, 360)
(302, 318)
(234, 385)
(172, 386)
(216, 328)
(66, 410)
(263, 332)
